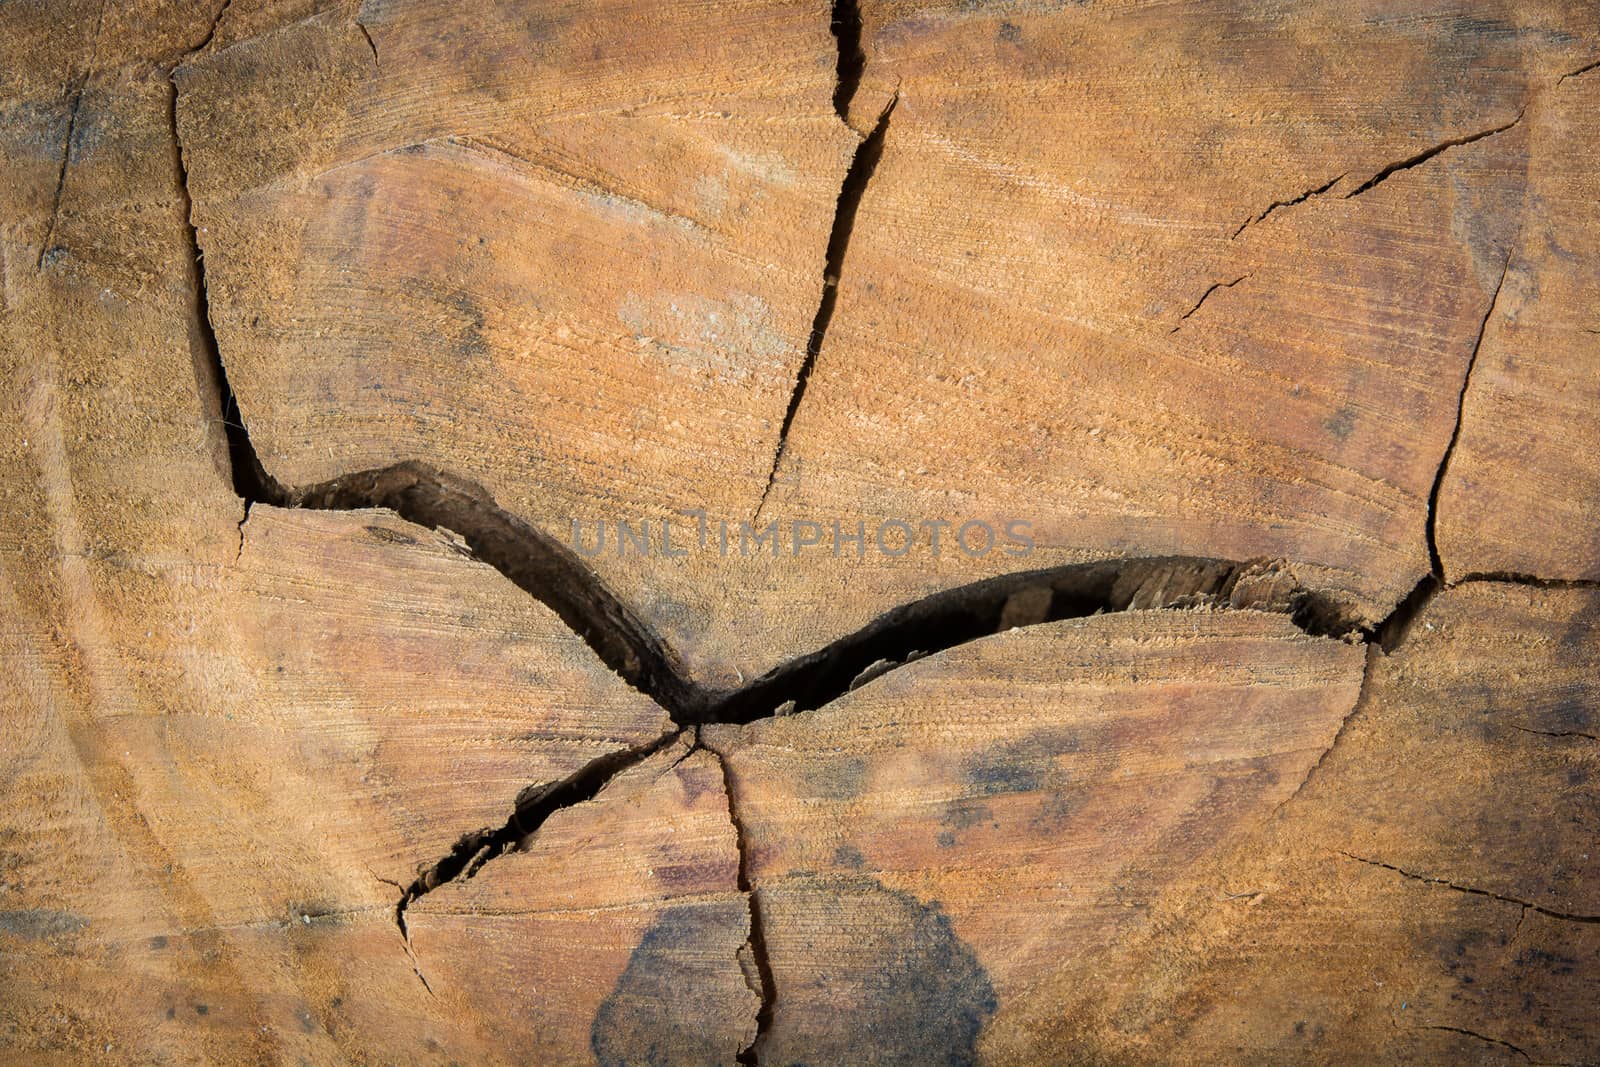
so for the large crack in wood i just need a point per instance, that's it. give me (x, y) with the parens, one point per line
(1428, 153)
(766, 984)
(851, 192)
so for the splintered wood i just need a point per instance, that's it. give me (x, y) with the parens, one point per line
(823, 355)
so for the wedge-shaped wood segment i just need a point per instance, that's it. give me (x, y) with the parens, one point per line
(1431, 895)
(1143, 311)
(618, 936)
(1522, 494)
(226, 748)
(573, 256)
(237, 783)
(1129, 271)
(939, 841)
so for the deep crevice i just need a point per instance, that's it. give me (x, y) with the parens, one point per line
(846, 26)
(533, 560)
(750, 1054)
(862, 166)
(1531, 580)
(955, 616)
(1430, 524)
(1422, 157)
(1393, 630)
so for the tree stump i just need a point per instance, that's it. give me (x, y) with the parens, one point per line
(994, 532)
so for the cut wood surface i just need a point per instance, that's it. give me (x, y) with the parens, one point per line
(322, 738)
(926, 848)
(1519, 495)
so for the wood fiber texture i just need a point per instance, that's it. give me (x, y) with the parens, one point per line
(324, 739)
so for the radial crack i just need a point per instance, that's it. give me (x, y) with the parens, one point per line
(1276, 204)
(1564, 916)
(1427, 154)
(534, 805)
(1430, 524)
(750, 1054)
(1374, 654)
(862, 165)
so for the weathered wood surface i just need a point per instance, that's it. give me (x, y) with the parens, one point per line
(938, 842)
(1314, 283)
(592, 293)
(1429, 896)
(1519, 495)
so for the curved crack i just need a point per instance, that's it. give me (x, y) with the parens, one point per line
(1430, 527)
(1204, 297)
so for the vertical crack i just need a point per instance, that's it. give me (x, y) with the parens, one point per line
(750, 1054)
(47, 246)
(845, 23)
(862, 165)
(846, 26)
(1431, 524)
(250, 480)
(211, 34)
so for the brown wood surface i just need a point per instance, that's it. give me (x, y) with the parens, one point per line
(321, 322)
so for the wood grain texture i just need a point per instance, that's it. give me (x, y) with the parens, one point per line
(949, 835)
(617, 936)
(1520, 495)
(1218, 279)
(571, 256)
(1429, 896)
(1068, 294)
(1118, 275)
